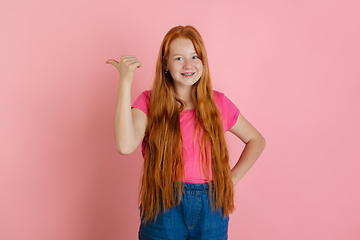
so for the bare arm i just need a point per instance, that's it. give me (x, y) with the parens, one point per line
(129, 124)
(255, 145)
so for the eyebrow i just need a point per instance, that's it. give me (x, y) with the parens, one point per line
(181, 54)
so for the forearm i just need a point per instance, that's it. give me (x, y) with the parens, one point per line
(248, 157)
(123, 123)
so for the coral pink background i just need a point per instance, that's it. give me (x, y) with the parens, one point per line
(292, 67)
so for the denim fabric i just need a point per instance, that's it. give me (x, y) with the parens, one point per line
(191, 219)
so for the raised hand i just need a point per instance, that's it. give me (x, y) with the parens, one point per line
(129, 123)
(126, 67)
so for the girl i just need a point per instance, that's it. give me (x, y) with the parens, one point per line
(187, 185)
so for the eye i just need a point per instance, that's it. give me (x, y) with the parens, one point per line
(195, 57)
(178, 58)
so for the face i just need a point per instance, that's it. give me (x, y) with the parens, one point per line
(183, 63)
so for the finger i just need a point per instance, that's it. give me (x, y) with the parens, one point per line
(138, 64)
(135, 63)
(129, 59)
(112, 62)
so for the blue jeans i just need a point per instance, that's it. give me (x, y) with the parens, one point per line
(191, 219)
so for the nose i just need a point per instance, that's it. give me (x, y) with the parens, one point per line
(187, 63)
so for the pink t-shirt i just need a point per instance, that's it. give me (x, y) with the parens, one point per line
(193, 172)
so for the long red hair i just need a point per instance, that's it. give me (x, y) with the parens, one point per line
(163, 171)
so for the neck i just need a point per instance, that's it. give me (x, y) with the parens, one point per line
(185, 96)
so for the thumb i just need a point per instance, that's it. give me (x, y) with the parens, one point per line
(112, 62)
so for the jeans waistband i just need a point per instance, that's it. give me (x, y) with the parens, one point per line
(190, 188)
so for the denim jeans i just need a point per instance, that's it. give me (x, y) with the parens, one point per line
(191, 219)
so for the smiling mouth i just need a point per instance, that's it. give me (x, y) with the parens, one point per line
(188, 74)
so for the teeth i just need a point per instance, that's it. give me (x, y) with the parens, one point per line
(187, 74)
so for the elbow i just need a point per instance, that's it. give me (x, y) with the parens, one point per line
(124, 150)
(259, 141)
(262, 142)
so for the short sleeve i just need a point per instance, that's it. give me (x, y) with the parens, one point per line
(228, 110)
(142, 102)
